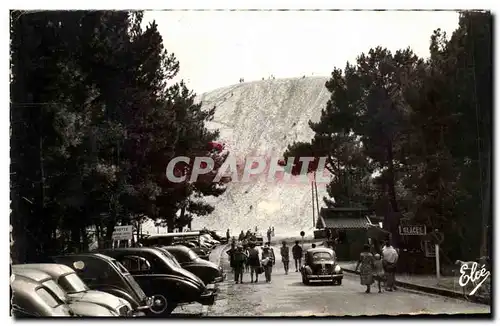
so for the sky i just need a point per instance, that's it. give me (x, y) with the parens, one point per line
(217, 48)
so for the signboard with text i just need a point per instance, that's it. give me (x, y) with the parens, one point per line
(412, 230)
(124, 232)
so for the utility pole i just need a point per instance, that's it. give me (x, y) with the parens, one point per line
(312, 198)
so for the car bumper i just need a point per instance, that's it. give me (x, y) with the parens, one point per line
(207, 298)
(138, 314)
(221, 278)
(329, 277)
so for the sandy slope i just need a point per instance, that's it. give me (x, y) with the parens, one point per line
(264, 117)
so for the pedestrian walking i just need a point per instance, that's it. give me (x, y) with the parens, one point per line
(239, 264)
(269, 235)
(272, 231)
(285, 256)
(228, 235)
(379, 271)
(241, 236)
(231, 253)
(267, 262)
(254, 262)
(246, 249)
(297, 255)
(366, 267)
(389, 261)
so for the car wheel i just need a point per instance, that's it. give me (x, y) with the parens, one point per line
(160, 305)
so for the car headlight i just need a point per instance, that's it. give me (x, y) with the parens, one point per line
(337, 269)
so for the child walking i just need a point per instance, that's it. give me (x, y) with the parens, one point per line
(379, 271)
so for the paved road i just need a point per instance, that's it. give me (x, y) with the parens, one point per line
(287, 296)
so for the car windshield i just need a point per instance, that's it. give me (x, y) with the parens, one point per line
(71, 283)
(56, 289)
(48, 298)
(171, 257)
(318, 256)
(122, 268)
(131, 281)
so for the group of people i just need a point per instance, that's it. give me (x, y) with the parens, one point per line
(249, 259)
(378, 267)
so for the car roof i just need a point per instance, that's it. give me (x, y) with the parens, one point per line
(173, 235)
(32, 274)
(23, 284)
(54, 270)
(177, 248)
(131, 250)
(320, 249)
(87, 254)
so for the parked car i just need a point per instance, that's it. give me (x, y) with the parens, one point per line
(77, 291)
(320, 265)
(207, 271)
(103, 273)
(32, 299)
(202, 253)
(160, 275)
(82, 309)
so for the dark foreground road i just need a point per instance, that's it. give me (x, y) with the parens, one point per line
(287, 296)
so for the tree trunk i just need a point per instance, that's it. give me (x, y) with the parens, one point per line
(391, 189)
(486, 211)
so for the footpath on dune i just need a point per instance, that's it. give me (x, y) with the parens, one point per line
(262, 118)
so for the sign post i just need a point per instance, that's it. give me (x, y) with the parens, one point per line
(438, 272)
(412, 230)
(124, 232)
(302, 234)
(439, 239)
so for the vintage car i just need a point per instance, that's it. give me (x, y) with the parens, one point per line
(259, 240)
(207, 271)
(81, 309)
(160, 275)
(77, 291)
(202, 253)
(103, 273)
(320, 265)
(32, 299)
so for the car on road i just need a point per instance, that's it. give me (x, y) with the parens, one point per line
(259, 240)
(103, 273)
(161, 276)
(78, 291)
(45, 281)
(207, 271)
(320, 265)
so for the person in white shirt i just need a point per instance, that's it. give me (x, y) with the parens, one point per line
(390, 258)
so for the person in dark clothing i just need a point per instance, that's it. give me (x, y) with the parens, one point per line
(253, 262)
(228, 235)
(231, 253)
(285, 256)
(297, 255)
(241, 236)
(239, 264)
